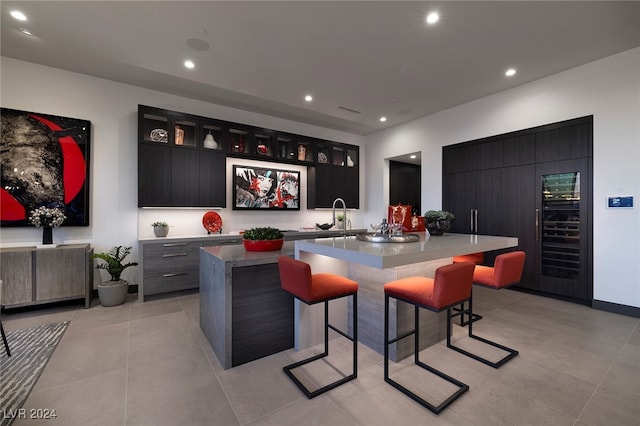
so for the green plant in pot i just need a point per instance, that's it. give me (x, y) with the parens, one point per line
(438, 221)
(160, 229)
(114, 292)
(263, 239)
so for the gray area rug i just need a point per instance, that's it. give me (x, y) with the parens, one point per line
(31, 349)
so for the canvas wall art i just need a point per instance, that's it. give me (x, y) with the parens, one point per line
(265, 188)
(45, 163)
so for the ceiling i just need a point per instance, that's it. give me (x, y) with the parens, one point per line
(376, 58)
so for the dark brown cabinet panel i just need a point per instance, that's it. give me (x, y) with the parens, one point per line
(212, 179)
(326, 183)
(154, 175)
(576, 137)
(185, 177)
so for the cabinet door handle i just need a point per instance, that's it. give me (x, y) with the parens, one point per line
(476, 221)
(175, 254)
(177, 274)
(537, 219)
(174, 244)
(471, 220)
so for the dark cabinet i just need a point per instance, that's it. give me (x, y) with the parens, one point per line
(335, 175)
(182, 160)
(175, 160)
(524, 186)
(154, 175)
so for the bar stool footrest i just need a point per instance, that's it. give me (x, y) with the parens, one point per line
(312, 394)
(436, 409)
(512, 353)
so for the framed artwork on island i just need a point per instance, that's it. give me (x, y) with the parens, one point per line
(258, 188)
(45, 163)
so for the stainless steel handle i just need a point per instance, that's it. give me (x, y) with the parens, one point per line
(174, 244)
(537, 225)
(175, 254)
(476, 221)
(174, 275)
(471, 220)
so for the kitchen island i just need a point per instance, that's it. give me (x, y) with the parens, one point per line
(372, 265)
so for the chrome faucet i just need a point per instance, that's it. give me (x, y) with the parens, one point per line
(344, 214)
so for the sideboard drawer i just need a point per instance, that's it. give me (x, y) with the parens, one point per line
(170, 280)
(170, 255)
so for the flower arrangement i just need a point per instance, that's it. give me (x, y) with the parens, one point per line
(264, 233)
(51, 217)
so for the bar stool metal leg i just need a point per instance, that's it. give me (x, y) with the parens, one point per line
(312, 394)
(4, 340)
(511, 353)
(436, 409)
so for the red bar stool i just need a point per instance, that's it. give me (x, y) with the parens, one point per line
(507, 270)
(296, 278)
(477, 259)
(450, 286)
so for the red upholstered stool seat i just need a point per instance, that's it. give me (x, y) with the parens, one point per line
(297, 279)
(476, 258)
(506, 271)
(450, 286)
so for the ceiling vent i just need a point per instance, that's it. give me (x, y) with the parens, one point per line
(355, 111)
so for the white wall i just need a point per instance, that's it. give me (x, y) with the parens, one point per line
(608, 89)
(112, 109)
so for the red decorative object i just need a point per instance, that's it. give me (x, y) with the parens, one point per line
(263, 245)
(212, 222)
(400, 214)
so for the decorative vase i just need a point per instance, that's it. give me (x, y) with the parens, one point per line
(210, 142)
(114, 293)
(302, 152)
(47, 235)
(161, 231)
(263, 245)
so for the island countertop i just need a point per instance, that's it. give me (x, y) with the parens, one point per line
(389, 255)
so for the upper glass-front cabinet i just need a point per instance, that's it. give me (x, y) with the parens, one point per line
(561, 225)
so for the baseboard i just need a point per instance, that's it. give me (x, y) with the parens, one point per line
(616, 308)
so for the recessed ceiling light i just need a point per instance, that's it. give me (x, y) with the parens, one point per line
(308, 98)
(413, 156)
(383, 119)
(432, 18)
(18, 15)
(189, 64)
(26, 31)
(510, 72)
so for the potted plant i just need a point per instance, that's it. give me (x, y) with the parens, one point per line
(340, 221)
(160, 229)
(438, 221)
(114, 292)
(263, 239)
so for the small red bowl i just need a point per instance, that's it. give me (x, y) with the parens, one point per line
(263, 245)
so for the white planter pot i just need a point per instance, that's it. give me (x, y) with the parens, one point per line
(113, 294)
(161, 231)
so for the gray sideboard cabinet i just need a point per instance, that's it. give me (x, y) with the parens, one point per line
(34, 276)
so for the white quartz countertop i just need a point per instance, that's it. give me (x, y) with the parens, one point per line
(389, 255)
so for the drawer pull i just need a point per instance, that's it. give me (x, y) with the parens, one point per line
(174, 244)
(174, 275)
(175, 254)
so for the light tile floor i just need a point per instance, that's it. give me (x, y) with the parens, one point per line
(149, 364)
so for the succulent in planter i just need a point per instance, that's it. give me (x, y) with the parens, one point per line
(263, 239)
(438, 221)
(160, 228)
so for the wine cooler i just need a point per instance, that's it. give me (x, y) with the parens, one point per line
(563, 230)
(561, 225)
